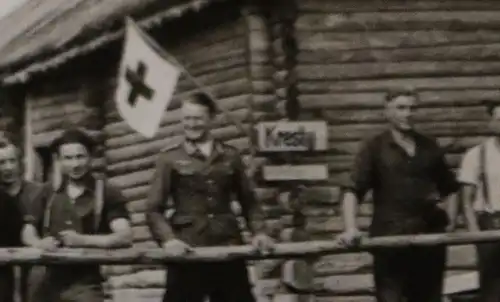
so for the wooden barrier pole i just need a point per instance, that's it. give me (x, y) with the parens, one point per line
(213, 254)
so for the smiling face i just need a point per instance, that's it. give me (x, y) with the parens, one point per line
(399, 112)
(75, 160)
(10, 166)
(196, 121)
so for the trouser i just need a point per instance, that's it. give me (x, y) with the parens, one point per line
(489, 261)
(7, 283)
(413, 274)
(60, 288)
(220, 282)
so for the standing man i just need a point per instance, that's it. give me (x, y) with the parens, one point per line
(24, 193)
(409, 177)
(201, 176)
(17, 196)
(84, 213)
(480, 177)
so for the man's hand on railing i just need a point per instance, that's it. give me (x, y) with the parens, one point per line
(263, 243)
(176, 247)
(47, 244)
(350, 237)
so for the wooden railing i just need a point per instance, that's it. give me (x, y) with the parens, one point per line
(211, 254)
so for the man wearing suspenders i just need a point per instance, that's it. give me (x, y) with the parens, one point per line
(480, 176)
(84, 212)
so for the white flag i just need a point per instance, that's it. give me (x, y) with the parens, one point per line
(146, 82)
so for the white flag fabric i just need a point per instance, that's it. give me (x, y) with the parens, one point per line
(146, 82)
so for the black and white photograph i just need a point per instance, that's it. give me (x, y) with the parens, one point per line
(249, 151)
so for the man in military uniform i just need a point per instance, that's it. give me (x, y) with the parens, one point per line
(202, 175)
(21, 193)
(85, 212)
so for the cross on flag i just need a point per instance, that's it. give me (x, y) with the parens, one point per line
(146, 82)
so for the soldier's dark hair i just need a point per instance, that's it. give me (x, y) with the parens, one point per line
(204, 100)
(396, 93)
(491, 106)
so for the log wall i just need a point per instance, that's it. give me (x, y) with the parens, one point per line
(216, 53)
(350, 53)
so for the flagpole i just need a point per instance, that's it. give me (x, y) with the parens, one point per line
(195, 81)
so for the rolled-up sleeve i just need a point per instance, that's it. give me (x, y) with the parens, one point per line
(361, 178)
(445, 178)
(250, 205)
(116, 205)
(469, 168)
(34, 209)
(156, 204)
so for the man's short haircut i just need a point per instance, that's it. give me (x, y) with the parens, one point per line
(204, 100)
(491, 106)
(396, 93)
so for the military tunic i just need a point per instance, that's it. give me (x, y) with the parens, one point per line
(76, 282)
(200, 190)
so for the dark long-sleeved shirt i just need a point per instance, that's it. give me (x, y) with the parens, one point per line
(200, 191)
(405, 188)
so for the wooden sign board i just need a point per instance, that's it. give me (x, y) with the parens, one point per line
(295, 172)
(283, 136)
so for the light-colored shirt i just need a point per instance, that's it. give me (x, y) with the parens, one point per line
(470, 171)
(206, 147)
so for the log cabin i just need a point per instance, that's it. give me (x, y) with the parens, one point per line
(264, 60)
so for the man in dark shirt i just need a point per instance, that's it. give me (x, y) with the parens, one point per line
(20, 194)
(409, 177)
(202, 176)
(84, 212)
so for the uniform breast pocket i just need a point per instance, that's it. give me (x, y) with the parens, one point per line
(181, 221)
(224, 172)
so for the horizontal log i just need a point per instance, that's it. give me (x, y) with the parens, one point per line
(143, 279)
(219, 34)
(57, 123)
(234, 68)
(137, 205)
(461, 21)
(135, 193)
(57, 111)
(135, 179)
(169, 129)
(117, 270)
(471, 52)
(442, 83)
(472, 113)
(326, 6)
(212, 49)
(214, 254)
(333, 224)
(337, 72)
(153, 147)
(375, 99)
(142, 233)
(140, 294)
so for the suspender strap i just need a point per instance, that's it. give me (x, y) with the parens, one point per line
(47, 214)
(483, 177)
(98, 202)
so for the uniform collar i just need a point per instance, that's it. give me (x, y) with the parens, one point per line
(191, 148)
